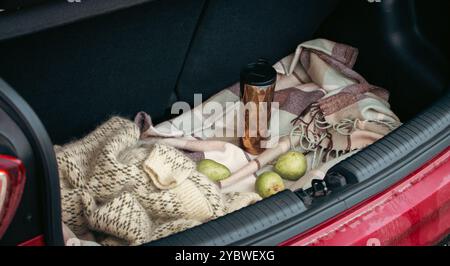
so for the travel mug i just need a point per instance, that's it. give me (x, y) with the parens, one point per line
(258, 82)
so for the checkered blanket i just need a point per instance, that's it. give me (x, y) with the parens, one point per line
(326, 110)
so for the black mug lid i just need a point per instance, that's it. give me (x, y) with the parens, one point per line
(259, 73)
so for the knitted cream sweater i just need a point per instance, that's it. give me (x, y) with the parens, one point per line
(128, 194)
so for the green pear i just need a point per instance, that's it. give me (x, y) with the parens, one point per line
(269, 184)
(213, 170)
(291, 166)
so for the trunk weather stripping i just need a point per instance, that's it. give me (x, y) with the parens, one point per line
(37, 150)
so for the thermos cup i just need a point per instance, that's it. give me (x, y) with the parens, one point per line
(258, 82)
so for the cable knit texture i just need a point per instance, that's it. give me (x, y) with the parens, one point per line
(127, 194)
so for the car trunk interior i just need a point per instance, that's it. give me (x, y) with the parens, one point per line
(148, 56)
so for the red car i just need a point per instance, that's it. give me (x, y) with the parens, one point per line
(66, 66)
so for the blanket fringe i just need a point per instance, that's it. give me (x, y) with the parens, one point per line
(309, 136)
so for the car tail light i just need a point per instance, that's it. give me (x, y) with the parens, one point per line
(12, 181)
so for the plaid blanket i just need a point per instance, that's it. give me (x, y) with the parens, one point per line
(323, 109)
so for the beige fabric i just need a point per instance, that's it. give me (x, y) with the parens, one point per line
(133, 194)
(160, 167)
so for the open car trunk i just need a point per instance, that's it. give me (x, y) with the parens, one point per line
(111, 58)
